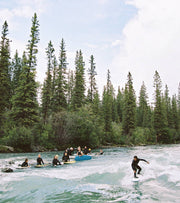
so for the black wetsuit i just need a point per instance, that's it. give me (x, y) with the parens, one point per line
(101, 153)
(79, 153)
(24, 164)
(40, 161)
(56, 162)
(86, 151)
(65, 158)
(135, 165)
(70, 152)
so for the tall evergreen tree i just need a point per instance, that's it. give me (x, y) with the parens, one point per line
(168, 108)
(25, 106)
(47, 87)
(143, 110)
(92, 80)
(175, 119)
(160, 119)
(5, 78)
(61, 83)
(119, 100)
(16, 71)
(129, 112)
(107, 108)
(70, 87)
(79, 88)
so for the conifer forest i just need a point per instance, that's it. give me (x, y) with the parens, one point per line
(71, 111)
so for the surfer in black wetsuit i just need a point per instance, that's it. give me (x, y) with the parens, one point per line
(39, 160)
(135, 165)
(25, 163)
(56, 161)
(65, 157)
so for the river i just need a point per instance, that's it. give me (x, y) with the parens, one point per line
(106, 178)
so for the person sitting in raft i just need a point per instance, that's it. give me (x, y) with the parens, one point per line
(56, 161)
(65, 157)
(25, 163)
(135, 165)
(86, 151)
(70, 151)
(79, 152)
(39, 160)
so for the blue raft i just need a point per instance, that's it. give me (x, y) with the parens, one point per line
(82, 158)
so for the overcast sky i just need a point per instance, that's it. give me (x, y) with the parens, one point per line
(139, 36)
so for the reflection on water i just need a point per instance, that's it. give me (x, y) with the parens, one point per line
(106, 178)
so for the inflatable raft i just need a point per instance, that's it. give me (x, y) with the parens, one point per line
(82, 158)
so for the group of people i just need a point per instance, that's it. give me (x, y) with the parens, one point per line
(66, 156)
(70, 151)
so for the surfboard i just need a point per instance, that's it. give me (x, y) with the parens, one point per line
(135, 179)
(82, 158)
(41, 166)
(70, 162)
(20, 167)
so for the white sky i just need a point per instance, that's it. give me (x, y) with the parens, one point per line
(139, 36)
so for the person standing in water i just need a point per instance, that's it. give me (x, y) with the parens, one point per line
(135, 165)
(39, 160)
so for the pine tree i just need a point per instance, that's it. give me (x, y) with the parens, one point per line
(70, 87)
(129, 111)
(79, 88)
(92, 80)
(160, 119)
(119, 100)
(143, 110)
(175, 120)
(53, 85)
(61, 83)
(168, 107)
(47, 87)
(107, 108)
(5, 77)
(96, 104)
(16, 71)
(24, 102)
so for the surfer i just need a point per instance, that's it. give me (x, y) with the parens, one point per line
(135, 165)
(39, 160)
(56, 161)
(25, 163)
(65, 157)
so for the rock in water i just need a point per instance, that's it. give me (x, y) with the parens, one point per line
(7, 170)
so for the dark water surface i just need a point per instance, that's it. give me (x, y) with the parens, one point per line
(106, 178)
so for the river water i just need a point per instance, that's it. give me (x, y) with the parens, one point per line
(106, 178)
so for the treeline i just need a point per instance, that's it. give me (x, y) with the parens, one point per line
(71, 111)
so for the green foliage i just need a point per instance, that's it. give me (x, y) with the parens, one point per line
(160, 118)
(129, 111)
(79, 87)
(117, 132)
(59, 98)
(5, 77)
(47, 86)
(20, 138)
(70, 113)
